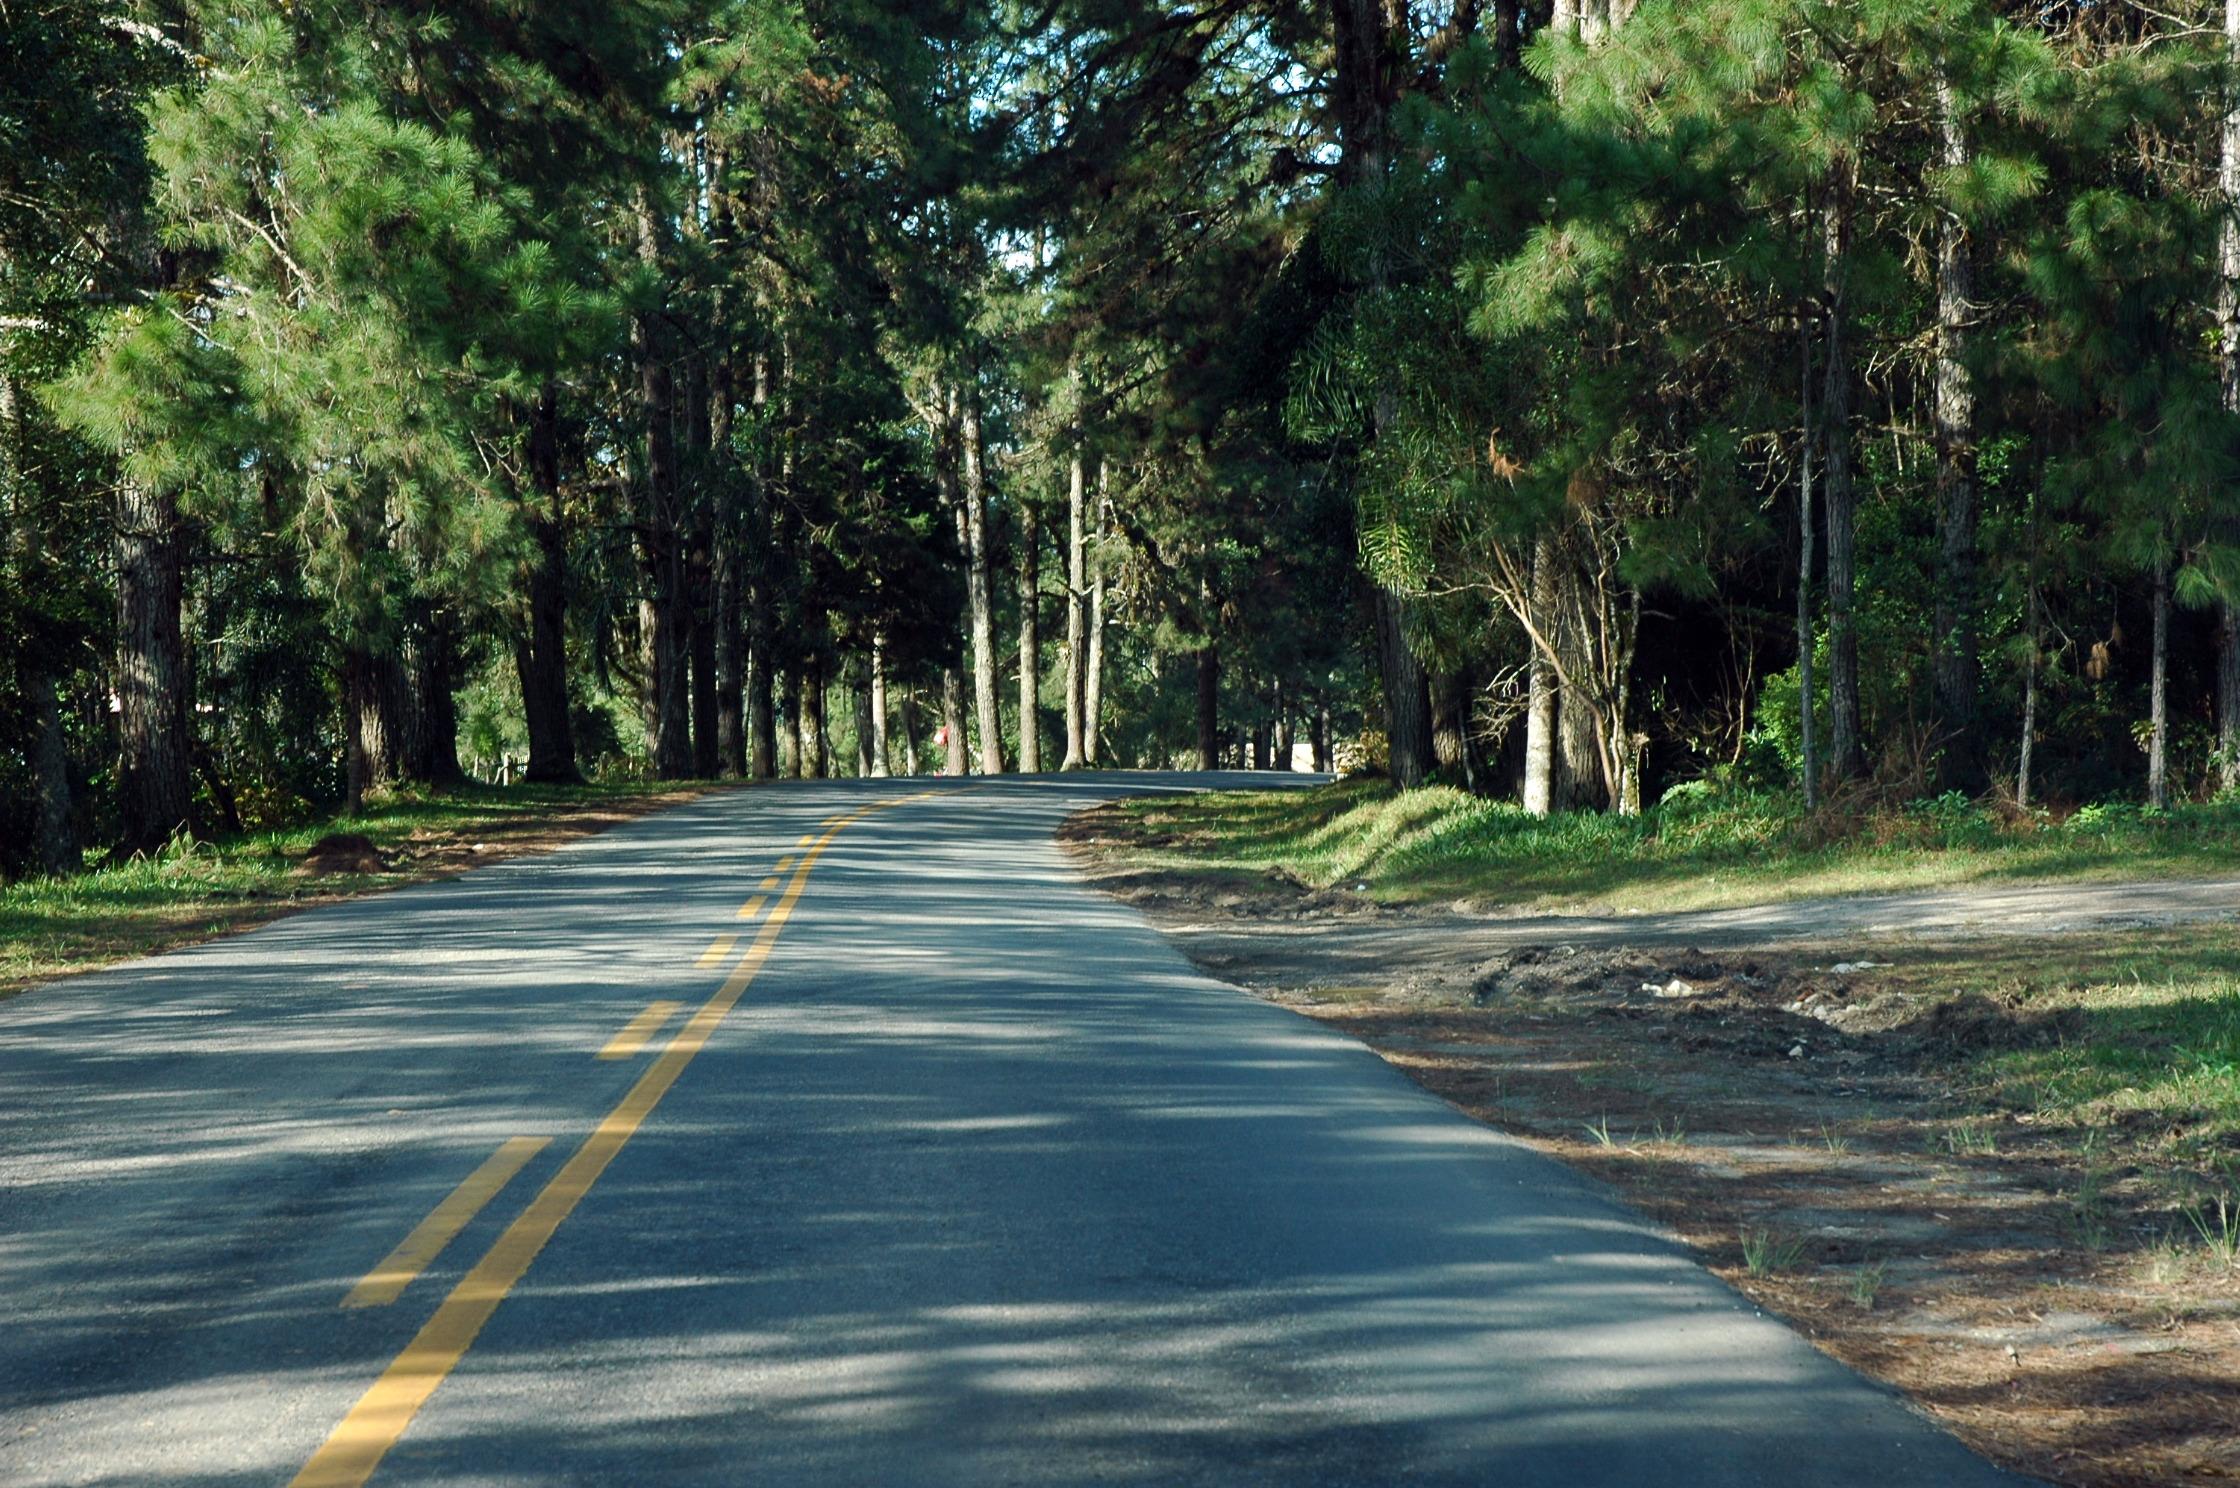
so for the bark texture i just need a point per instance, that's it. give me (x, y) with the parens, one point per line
(1846, 760)
(1030, 638)
(1077, 614)
(541, 650)
(153, 801)
(980, 589)
(1956, 667)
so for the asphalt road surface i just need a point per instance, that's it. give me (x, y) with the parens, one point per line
(909, 1161)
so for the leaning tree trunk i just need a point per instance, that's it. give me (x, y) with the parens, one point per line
(1077, 612)
(1030, 639)
(2158, 693)
(152, 761)
(1955, 667)
(979, 590)
(1847, 759)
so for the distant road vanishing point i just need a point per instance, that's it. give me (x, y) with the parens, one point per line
(825, 1134)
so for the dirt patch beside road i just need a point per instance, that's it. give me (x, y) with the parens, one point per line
(1835, 1127)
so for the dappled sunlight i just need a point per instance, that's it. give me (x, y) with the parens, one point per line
(978, 1177)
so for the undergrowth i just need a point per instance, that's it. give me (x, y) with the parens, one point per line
(1697, 849)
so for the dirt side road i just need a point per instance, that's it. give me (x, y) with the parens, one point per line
(1800, 1092)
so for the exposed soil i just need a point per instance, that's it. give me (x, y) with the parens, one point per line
(1802, 1102)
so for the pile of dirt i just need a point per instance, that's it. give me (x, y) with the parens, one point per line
(343, 852)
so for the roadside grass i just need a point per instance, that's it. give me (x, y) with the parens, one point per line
(195, 890)
(1695, 851)
(2141, 1037)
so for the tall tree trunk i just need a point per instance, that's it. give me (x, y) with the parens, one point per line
(797, 735)
(663, 614)
(541, 650)
(1540, 695)
(820, 723)
(1847, 757)
(730, 571)
(432, 705)
(1407, 693)
(2228, 698)
(1957, 671)
(1450, 727)
(1030, 639)
(1371, 62)
(762, 715)
(979, 589)
(908, 717)
(1209, 706)
(1807, 743)
(879, 764)
(55, 845)
(153, 801)
(1285, 740)
(1077, 610)
(374, 726)
(1092, 681)
(2029, 702)
(2228, 323)
(1322, 759)
(55, 849)
(958, 760)
(762, 704)
(859, 697)
(700, 566)
(2158, 694)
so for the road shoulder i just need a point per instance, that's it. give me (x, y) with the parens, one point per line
(1900, 1142)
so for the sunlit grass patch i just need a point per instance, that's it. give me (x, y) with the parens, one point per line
(1695, 850)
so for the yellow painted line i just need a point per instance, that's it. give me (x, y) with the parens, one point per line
(785, 863)
(753, 907)
(381, 1286)
(717, 949)
(639, 1030)
(809, 840)
(769, 885)
(356, 1446)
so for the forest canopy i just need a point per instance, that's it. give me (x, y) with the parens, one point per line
(1829, 399)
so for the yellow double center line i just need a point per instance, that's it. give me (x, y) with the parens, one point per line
(374, 1424)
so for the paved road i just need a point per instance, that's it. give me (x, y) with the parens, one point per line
(977, 1183)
